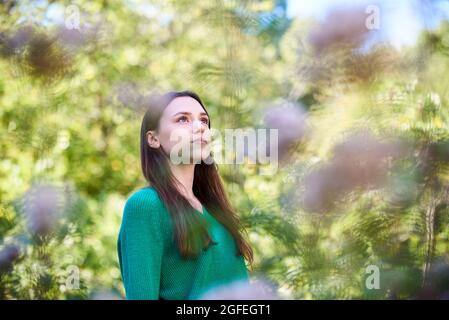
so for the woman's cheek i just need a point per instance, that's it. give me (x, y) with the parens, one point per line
(176, 141)
(173, 136)
(205, 152)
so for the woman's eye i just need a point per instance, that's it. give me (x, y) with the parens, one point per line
(205, 120)
(182, 119)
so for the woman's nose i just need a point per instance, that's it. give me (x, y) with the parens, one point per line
(198, 126)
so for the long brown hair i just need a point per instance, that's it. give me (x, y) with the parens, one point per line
(190, 231)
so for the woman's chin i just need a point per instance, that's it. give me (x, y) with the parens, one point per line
(200, 155)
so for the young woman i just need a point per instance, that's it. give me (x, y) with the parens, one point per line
(179, 236)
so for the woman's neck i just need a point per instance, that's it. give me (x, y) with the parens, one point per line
(184, 174)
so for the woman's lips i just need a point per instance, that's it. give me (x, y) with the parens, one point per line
(202, 141)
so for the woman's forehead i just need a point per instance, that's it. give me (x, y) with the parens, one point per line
(183, 104)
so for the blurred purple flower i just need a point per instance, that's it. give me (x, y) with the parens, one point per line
(290, 120)
(22, 37)
(8, 255)
(104, 295)
(11, 43)
(71, 38)
(342, 27)
(242, 290)
(43, 206)
(128, 95)
(362, 162)
(74, 39)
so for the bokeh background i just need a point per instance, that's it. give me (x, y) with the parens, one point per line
(358, 91)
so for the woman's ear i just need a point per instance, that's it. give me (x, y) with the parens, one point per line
(152, 140)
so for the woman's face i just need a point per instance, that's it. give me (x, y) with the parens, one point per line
(184, 133)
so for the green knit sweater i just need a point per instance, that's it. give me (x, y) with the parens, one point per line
(150, 262)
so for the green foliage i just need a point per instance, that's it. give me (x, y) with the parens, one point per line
(72, 118)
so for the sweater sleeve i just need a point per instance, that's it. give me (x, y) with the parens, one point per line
(140, 247)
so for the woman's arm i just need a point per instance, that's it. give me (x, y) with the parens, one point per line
(140, 247)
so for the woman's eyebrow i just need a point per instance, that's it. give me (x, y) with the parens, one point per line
(189, 113)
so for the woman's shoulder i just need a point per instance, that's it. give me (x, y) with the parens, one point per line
(147, 193)
(143, 217)
(144, 200)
